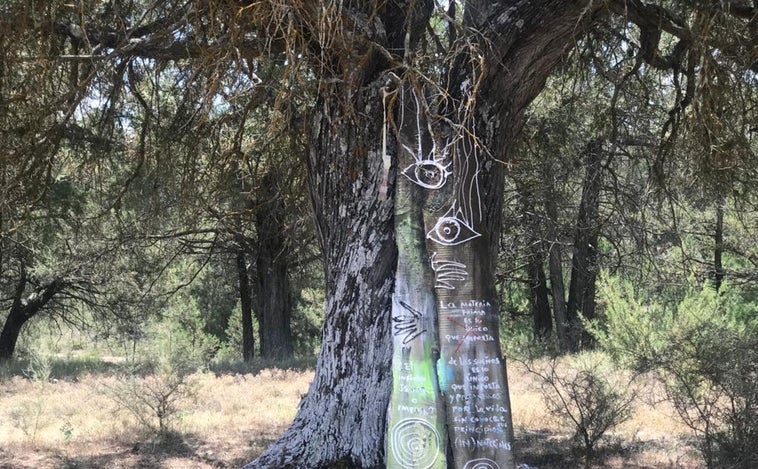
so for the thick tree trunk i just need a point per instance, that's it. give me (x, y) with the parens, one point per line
(538, 295)
(527, 40)
(343, 416)
(246, 305)
(343, 419)
(10, 333)
(272, 284)
(447, 361)
(542, 322)
(584, 261)
(416, 415)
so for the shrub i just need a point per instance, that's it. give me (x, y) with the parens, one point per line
(710, 374)
(704, 351)
(30, 417)
(39, 368)
(631, 330)
(180, 336)
(154, 400)
(588, 395)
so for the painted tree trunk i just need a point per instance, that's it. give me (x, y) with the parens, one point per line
(416, 436)
(472, 370)
(342, 422)
(442, 246)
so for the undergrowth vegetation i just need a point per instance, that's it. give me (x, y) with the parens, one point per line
(663, 376)
(587, 394)
(703, 351)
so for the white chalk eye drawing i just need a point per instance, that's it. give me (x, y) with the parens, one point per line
(430, 171)
(429, 174)
(408, 325)
(452, 229)
(482, 463)
(415, 443)
(448, 272)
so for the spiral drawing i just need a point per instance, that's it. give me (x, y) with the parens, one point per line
(415, 443)
(482, 463)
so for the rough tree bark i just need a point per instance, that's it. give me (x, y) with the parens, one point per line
(246, 302)
(343, 416)
(718, 244)
(538, 294)
(342, 420)
(542, 322)
(555, 264)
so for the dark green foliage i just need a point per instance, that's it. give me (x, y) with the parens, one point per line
(216, 296)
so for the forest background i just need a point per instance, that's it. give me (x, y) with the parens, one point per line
(156, 233)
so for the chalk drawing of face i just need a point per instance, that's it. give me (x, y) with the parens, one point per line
(429, 174)
(415, 443)
(482, 463)
(451, 230)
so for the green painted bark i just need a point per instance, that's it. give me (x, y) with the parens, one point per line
(416, 434)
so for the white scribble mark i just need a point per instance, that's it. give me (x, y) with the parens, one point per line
(447, 272)
(466, 87)
(415, 443)
(408, 324)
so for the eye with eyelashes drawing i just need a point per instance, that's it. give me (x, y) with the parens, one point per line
(451, 230)
(429, 174)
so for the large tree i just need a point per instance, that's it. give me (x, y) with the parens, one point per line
(514, 46)
(353, 171)
(500, 55)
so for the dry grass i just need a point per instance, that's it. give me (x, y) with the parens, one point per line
(232, 417)
(229, 420)
(651, 439)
